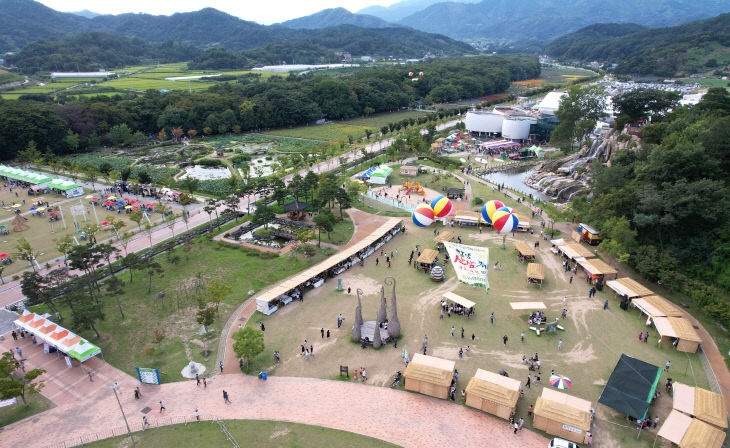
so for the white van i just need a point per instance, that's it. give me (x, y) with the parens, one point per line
(562, 443)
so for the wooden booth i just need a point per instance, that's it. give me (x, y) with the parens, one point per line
(701, 404)
(535, 273)
(575, 251)
(687, 432)
(429, 375)
(525, 251)
(657, 306)
(562, 415)
(445, 236)
(628, 289)
(523, 223)
(427, 257)
(493, 393)
(467, 304)
(598, 270)
(678, 332)
(455, 193)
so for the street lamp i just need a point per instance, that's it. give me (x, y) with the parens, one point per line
(129, 432)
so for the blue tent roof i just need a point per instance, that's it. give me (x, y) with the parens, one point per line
(366, 174)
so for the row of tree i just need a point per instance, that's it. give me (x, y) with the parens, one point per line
(253, 104)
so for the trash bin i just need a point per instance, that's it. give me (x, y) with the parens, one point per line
(263, 376)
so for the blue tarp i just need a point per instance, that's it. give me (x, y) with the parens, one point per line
(366, 174)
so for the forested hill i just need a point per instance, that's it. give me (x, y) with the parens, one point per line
(93, 51)
(693, 47)
(528, 20)
(334, 17)
(25, 21)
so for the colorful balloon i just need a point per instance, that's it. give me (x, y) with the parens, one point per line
(504, 221)
(423, 215)
(441, 206)
(489, 208)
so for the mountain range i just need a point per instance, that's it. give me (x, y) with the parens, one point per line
(334, 17)
(26, 21)
(694, 47)
(399, 11)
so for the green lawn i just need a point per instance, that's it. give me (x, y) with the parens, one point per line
(375, 122)
(342, 232)
(248, 433)
(37, 403)
(128, 343)
(323, 132)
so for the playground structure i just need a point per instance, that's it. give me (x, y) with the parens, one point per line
(409, 187)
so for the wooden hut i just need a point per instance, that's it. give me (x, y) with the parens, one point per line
(427, 257)
(493, 393)
(629, 288)
(526, 253)
(523, 223)
(562, 415)
(687, 432)
(597, 269)
(535, 273)
(679, 332)
(575, 251)
(429, 375)
(468, 218)
(444, 237)
(700, 403)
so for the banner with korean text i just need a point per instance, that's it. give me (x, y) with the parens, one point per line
(471, 263)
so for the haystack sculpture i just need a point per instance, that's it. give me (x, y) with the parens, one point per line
(20, 223)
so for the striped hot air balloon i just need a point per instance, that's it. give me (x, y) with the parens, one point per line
(423, 215)
(504, 220)
(489, 208)
(441, 206)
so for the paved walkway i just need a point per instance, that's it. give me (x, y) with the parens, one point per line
(402, 418)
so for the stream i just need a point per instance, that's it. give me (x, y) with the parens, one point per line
(515, 180)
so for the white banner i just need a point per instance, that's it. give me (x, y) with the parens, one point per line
(9, 402)
(471, 263)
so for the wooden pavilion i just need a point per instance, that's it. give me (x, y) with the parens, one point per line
(701, 404)
(535, 273)
(429, 375)
(562, 415)
(526, 253)
(687, 432)
(493, 393)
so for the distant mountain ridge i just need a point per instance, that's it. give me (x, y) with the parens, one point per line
(25, 21)
(541, 20)
(693, 47)
(335, 17)
(401, 10)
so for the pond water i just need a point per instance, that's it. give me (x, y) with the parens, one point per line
(515, 180)
(206, 173)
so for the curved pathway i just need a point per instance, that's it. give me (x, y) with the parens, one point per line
(402, 418)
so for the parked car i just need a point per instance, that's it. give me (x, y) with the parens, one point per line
(562, 443)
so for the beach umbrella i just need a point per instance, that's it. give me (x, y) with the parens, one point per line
(128, 206)
(132, 202)
(94, 198)
(40, 209)
(423, 215)
(16, 205)
(3, 227)
(32, 208)
(105, 223)
(149, 205)
(441, 206)
(108, 202)
(91, 196)
(560, 381)
(4, 255)
(136, 207)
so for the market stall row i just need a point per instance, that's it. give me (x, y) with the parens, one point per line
(56, 337)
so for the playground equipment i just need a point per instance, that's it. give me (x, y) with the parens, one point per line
(413, 187)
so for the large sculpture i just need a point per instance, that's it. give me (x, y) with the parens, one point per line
(377, 341)
(356, 327)
(382, 316)
(393, 322)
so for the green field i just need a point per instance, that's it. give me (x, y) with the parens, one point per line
(37, 403)
(323, 132)
(249, 433)
(375, 122)
(6, 77)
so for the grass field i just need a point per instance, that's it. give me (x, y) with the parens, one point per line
(128, 342)
(323, 132)
(375, 122)
(37, 403)
(250, 433)
(342, 232)
(592, 341)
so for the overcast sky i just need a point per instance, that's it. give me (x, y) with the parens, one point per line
(266, 11)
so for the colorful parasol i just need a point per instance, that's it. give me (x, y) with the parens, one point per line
(105, 223)
(132, 201)
(16, 205)
(560, 381)
(111, 198)
(127, 206)
(4, 255)
(91, 196)
(32, 208)
(40, 209)
(136, 207)
(108, 202)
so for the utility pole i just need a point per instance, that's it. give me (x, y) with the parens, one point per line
(129, 432)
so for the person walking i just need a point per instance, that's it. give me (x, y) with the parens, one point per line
(339, 320)
(15, 335)
(504, 339)
(605, 305)
(491, 318)
(462, 332)
(197, 414)
(263, 327)
(145, 423)
(162, 407)
(452, 331)
(522, 337)
(522, 422)
(529, 381)
(516, 426)
(19, 351)
(472, 337)
(667, 366)
(205, 383)
(322, 332)
(571, 280)
(197, 380)
(225, 397)
(646, 337)
(529, 411)
(560, 344)
(137, 393)
(220, 365)
(328, 334)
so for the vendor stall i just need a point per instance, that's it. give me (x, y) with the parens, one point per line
(678, 332)
(535, 273)
(57, 337)
(66, 187)
(687, 432)
(631, 387)
(467, 218)
(657, 306)
(427, 257)
(589, 234)
(628, 289)
(525, 251)
(444, 237)
(598, 270)
(523, 223)
(575, 251)
(493, 393)
(429, 375)
(701, 404)
(563, 415)
(459, 305)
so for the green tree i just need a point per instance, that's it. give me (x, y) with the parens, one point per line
(13, 384)
(189, 184)
(30, 154)
(639, 104)
(325, 221)
(205, 315)
(85, 311)
(217, 292)
(581, 104)
(263, 215)
(248, 343)
(115, 288)
(620, 238)
(26, 252)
